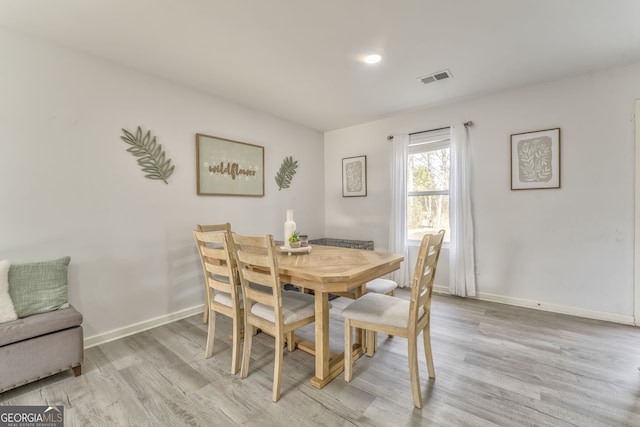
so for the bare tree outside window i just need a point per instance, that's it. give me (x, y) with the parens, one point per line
(428, 190)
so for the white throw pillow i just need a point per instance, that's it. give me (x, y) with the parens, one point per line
(7, 312)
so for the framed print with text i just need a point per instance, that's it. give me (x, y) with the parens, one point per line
(229, 168)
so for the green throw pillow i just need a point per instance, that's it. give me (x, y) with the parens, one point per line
(39, 287)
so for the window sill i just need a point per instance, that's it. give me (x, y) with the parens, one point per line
(416, 244)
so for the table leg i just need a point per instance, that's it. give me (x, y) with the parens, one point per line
(322, 338)
(328, 366)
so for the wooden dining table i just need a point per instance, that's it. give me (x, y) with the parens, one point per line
(325, 270)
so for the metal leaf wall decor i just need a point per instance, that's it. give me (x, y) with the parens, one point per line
(286, 172)
(150, 154)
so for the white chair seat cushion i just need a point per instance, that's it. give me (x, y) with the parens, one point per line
(224, 298)
(381, 286)
(261, 288)
(380, 309)
(295, 306)
(220, 297)
(220, 278)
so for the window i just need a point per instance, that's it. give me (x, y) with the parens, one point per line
(428, 184)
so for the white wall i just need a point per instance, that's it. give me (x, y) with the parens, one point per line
(568, 250)
(69, 187)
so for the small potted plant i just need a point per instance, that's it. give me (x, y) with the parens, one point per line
(294, 240)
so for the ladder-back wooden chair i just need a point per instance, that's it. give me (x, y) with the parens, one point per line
(222, 285)
(278, 313)
(395, 316)
(379, 286)
(207, 229)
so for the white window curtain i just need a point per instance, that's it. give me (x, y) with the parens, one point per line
(462, 279)
(398, 216)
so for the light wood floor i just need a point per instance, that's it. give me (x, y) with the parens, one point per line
(495, 365)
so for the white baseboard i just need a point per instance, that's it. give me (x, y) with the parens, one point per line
(141, 326)
(519, 302)
(554, 308)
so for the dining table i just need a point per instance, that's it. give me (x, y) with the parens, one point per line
(325, 270)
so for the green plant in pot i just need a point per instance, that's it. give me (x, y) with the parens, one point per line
(294, 240)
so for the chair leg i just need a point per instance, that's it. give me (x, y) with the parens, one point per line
(393, 294)
(246, 351)
(414, 373)
(277, 367)
(347, 351)
(426, 335)
(211, 333)
(235, 347)
(291, 341)
(372, 345)
(205, 315)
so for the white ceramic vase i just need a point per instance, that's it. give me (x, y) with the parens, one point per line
(289, 227)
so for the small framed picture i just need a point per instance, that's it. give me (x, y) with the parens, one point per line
(354, 176)
(535, 160)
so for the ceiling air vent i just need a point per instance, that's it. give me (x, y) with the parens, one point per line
(440, 75)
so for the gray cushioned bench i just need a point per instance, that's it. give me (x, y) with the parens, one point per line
(343, 243)
(40, 345)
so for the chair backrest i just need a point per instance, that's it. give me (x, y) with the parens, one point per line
(424, 275)
(258, 264)
(214, 227)
(218, 264)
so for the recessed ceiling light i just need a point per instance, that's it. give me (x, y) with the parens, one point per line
(372, 59)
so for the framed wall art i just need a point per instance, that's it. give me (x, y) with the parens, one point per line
(535, 160)
(354, 176)
(229, 168)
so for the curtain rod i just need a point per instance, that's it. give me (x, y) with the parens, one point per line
(469, 124)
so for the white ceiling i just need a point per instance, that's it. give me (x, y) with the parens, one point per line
(301, 59)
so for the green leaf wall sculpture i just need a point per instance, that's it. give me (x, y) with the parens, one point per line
(150, 154)
(286, 172)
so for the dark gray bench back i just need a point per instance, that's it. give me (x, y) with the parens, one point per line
(343, 243)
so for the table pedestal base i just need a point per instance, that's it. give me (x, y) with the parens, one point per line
(336, 361)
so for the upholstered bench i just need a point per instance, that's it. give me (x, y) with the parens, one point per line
(40, 345)
(343, 243)
(40, 333)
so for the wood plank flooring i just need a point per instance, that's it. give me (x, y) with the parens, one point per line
(496, 365)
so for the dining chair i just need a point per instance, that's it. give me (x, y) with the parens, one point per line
(209, 229)
(395, 316)
(379, 286)
(382, 286)
(267, 307)
(222, 285)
